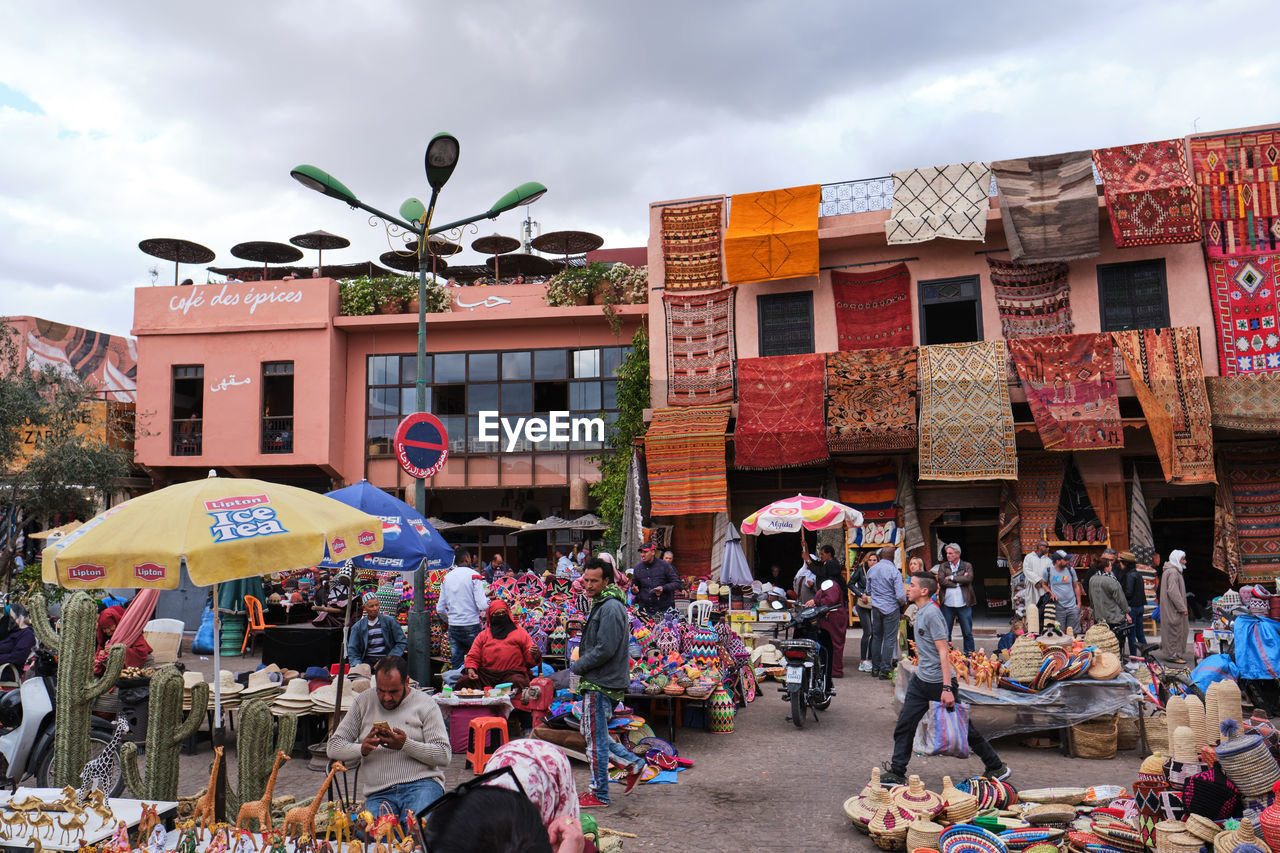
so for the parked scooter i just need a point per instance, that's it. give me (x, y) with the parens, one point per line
(807, 685)
(27, 727)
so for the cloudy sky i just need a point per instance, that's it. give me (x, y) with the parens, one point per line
(122, 121)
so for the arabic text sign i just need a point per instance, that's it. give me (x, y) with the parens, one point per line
(421, 445)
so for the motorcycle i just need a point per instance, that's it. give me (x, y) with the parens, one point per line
(807, 683)
(27, 729)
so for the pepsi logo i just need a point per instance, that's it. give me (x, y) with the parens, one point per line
(366, 537)
(150, 572)
(87, 572)
(339, 546)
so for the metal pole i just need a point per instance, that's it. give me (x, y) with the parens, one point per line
(419, 639)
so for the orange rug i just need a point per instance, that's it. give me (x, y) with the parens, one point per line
(773, 235)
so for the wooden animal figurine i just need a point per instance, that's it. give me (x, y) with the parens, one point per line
(98, 805)
(99, 773)
(339, 825)
(149, 819)
(272, 842)
(261, 809)
(385, 831)
(33, 842)
(203, 813)
(187, 842)
(73, 825)
(41, 822)
(18, 821)
(301, 820)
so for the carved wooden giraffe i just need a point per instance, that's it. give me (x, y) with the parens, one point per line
(261, 809)
(203, 813)
(303, 818)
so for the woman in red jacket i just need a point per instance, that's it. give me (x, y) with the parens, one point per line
(502, 652)
(136, 652)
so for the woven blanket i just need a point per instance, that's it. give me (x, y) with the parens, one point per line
(1071, 387)
(773, 235)
(692, 539)
(1037, 491)
(700, 347)
(1226, 534)
(1250, 403)
(780, 408)
(1245, 299)
(1049, 206)
(1075, 510)
(691, 246)
(871, 486)
(1141, 542)
(873, 309)
(940, 201)
(1255, 496)
(1168, 380)
(966, 422)
(871, 400)
(1149, 193)
(684, 454)
(1236, 175)
(1033, 299)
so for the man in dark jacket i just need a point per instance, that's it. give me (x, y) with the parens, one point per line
(604, 667)
(656, 581)
(955, 577)
(1106, 597)
(375, 636)
(1135, 592)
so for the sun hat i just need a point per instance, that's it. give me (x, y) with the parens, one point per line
(1106, 666)
(296, 698)
(324, 697)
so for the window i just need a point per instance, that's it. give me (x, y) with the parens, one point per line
(786, 323)
(1133, 296)
(188, 410)
(950, 310)
(277, 407)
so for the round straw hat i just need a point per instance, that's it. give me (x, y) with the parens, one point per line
(295, 699)
(1106, 666)
(324, 697)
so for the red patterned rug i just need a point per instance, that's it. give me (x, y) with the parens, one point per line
(1238, 179)
(700, 350)
(1149, 193)
(1245, 299)
(1038, 489)
(873, 309)
(684, 456)
(1071, 387)
(1255, 494)
(780, 412)
(692, 538)
(869, 486)
(1033, 299)
(691, 246)
(871, 400)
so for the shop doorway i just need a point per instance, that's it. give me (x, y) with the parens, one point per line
(781, 550)
(975, 531)
(1186, 523)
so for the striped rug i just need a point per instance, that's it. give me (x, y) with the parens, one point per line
(684, 454)
(1254, 479)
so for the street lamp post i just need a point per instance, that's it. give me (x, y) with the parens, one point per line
(440, 160)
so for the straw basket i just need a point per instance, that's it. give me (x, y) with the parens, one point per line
(1127, 733)
(1164, 829)
(1248, 763)
(961, 807)
(860, 809)
(1201, 827)
(1157, 734)
(1180, 842)
(1269, 821)
(1095, 738)
(921, 802)
(923, 833)
(1199, 723)
(1229, 702)
(888, 827)
(1102, 637)
(1176, 709)
(1024, 660)
(1227, 842)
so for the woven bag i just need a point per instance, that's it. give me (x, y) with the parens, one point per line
(1102, 637)
(1095, 738)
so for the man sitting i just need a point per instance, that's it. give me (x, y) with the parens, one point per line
(375, 636)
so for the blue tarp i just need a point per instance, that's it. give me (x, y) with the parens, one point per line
(1214, 668)
(1257, 647)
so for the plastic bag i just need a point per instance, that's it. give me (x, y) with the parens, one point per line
(1257, 647)
(203, 642)
(944, 732)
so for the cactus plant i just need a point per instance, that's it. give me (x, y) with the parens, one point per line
(75, 645)
(255, 753)
(166, 730)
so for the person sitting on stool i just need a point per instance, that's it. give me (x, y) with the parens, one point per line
(375, 636)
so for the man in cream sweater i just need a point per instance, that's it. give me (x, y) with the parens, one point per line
(399, 739)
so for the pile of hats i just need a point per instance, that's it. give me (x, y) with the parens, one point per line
(296, 698)
(1034, 664)
(266, 684)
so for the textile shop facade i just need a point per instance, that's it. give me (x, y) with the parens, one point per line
(983, 353)
(269, 380)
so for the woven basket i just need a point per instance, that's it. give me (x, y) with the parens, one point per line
(1201, 827)
(1157, 734)
(860, 809)
(673, 689)
(1052, 814)
(1095, 738)
(1176, 709)
(1127, 733)
(1024, 661)
(1229, 701)
(923, 833)
(1199, 723)
(1184, 744)
(1102, 637)
(1164, 829)
(888, 827)
(1227, 842)
(916, 799)
(961, 807)
(1249, 764)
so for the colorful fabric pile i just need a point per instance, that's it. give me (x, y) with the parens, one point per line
(773, 235)
(873, 309)
(691, 246)
(966, 420)
(1149, 193)
(780, 412)
(700, 347)
(684, 452)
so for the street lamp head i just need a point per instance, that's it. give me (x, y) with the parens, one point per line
(441, 158)
(322, 182)
(413, 209)
(526, 193)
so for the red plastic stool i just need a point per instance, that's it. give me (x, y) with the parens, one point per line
(483, 739)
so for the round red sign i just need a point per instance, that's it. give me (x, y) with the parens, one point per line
(421, 445)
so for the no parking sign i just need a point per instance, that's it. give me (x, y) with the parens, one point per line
(421, 445)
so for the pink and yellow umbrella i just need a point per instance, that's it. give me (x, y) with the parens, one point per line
(792, 515)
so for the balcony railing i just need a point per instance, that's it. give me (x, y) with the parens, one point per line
(188, 436)
(277, 434)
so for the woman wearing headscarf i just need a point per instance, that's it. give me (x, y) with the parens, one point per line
(547, 777)
(1174, 625)
(502, 652)
(136, 648)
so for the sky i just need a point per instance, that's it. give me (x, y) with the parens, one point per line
(128, 120)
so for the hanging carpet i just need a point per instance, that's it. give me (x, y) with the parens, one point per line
(1141, 542)
(912, 533)
(873, 309)
(1226, 534)
(1075, 520)
(1254, 478)
(871, 486)
(700, 347)
(966, 422)
(780, 412)
(1250, 403)
(1236, 175)
(1037, 492)
(1049, 206)
(940, 201)
(871, 400)
(1150, 194)
(773, 235)
(1071, 387)
(684, 454)
(1168, 380)
(692, 543)
(691, 246)
(1033, 299)
(1245, 299)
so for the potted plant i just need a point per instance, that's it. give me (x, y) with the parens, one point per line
(575, 285)
(358, 297)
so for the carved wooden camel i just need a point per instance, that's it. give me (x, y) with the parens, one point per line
(148, 820)
(41, 822)
(17, 823)
(261, 809)
(302, 819)
(203, 815)
(74, 825)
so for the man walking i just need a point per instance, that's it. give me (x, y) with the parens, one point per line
(1135, 592)
(955, 577)
(656, 582)
(604, 667)
(1064, 590)
(933, 681)
(462, 602)
(1110, 607)
(1035, 582)
(884, 585)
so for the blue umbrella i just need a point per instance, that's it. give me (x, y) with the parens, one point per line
(407, 537)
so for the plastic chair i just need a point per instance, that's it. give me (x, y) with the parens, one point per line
(699, 612)
(483, 739)
(256, 624)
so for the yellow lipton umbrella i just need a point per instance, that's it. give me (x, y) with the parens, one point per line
(221, 528)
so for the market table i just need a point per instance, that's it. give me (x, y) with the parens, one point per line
(671, 708)
(301, 646)
(129, 811)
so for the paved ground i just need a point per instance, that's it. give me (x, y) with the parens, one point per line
(768, 784)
